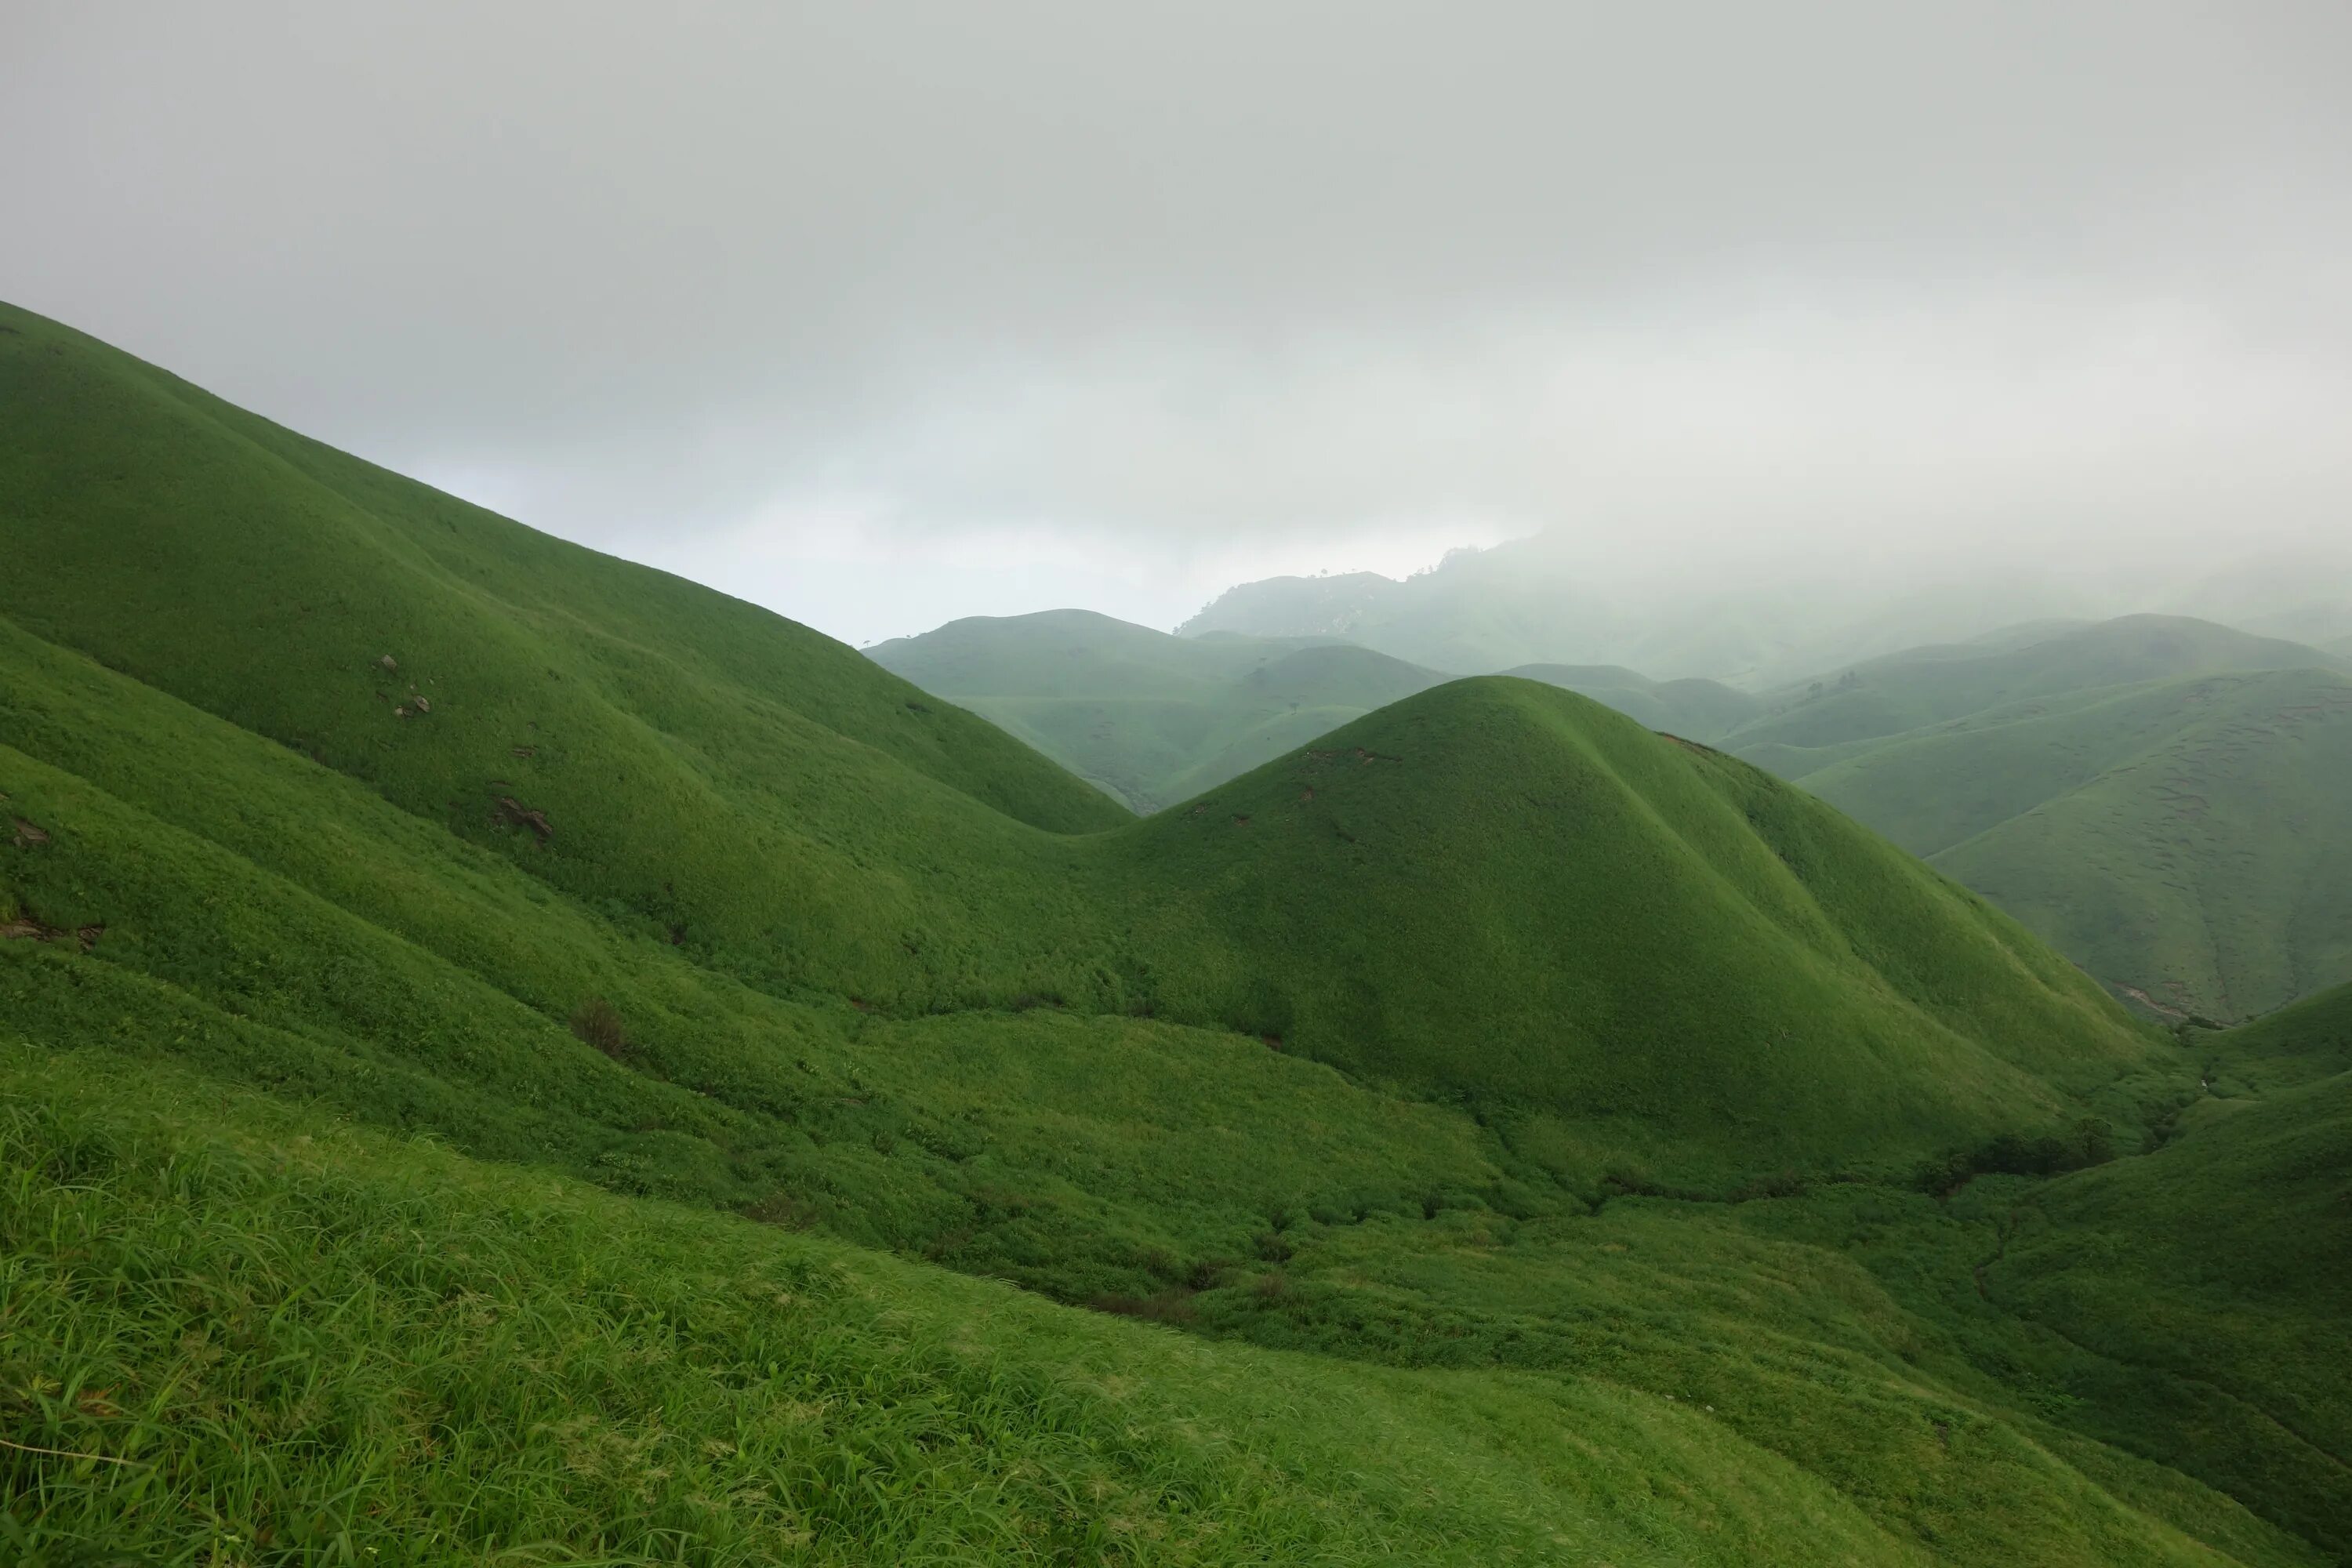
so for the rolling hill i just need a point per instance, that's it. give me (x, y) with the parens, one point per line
(1155, 719)
(566, 1064)
(2187, 840)
(1694, 710)
(1152, 719)
(1935, 685)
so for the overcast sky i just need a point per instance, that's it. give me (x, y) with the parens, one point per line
(882, 314)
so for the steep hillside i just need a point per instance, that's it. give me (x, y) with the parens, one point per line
(1670, 936)
(2186, 841)
(1694, 710)
(1151, 718)
(818, 832)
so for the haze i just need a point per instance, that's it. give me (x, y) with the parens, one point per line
(885, 314)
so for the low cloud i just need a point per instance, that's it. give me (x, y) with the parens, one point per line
(1027, 298)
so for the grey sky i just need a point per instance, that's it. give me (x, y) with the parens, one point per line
(883, 313)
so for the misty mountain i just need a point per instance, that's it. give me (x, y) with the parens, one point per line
(1154, 719)
(1544, 600)
(2161, 799)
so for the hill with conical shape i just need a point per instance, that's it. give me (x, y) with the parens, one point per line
(630, 1079)
(1153, 718)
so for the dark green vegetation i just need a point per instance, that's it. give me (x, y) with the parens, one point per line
(2184, 836)
(590, 1090)
(1152, 719)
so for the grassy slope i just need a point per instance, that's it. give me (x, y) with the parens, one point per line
(1674, 939)
(335, 935)
(2220, 1267)
(442, 1357)
(2186, 839)
(309, 1345)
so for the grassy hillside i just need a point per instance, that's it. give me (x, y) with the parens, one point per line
(780, 1119)
(1672, 939)
(1928, 686)
(2221, 1265)
(1152, 719)
(287, 1342)
(2189, 841)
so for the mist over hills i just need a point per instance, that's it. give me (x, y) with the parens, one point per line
(2185, 840)
(1547, 599)
(2180, 833)
(1155, 719)
(1150, 718)
(2179, 837)
(1926, 685)
(552, 1054)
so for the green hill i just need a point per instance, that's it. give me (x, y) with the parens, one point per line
(2219, 1268)
(633, 1081)
(1694, 710)
(1928, 686)
(1152, 719)
(2190, 841)
(1670, 938)
(1155, 719)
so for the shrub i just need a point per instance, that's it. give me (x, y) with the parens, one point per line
(596, 1024)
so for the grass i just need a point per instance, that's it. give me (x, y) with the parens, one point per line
(276, 1341)
(781, 1117)
(257, 1334)
(1755, 983)
(2187, 841)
